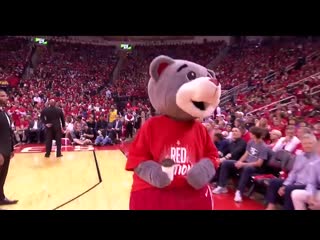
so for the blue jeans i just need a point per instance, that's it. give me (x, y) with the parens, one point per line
(227, 167)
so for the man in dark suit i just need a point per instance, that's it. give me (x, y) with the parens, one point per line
(6, 146)
(117, 126)
(35, 127)
(53, 117)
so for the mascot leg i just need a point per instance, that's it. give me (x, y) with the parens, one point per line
(172, 199)
(192, 199)
(147, 199)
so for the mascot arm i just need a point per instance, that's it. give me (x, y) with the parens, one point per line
(140, 160)
(204, 170)
(151, 172)
(201, 173)
(139, 150)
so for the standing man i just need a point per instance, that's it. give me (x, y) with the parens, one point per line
(53, 117)
(6, 146)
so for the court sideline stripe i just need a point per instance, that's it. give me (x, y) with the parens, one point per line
(100, 181)
(97, 166)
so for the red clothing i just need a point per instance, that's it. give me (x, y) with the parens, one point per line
(22, 124)
(162, 137)
(298, 150)
(317, 134)
(13, 81)
(159, 199)
(15, 117)
(246, 137)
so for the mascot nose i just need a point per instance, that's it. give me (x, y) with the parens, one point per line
(215, 81)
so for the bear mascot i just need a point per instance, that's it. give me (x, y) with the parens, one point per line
(172, 157)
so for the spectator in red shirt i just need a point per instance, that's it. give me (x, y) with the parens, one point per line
(245, 133)
(21, 128)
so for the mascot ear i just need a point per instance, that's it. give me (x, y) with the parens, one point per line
(158, 65)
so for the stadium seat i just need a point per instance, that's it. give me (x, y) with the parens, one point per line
(278, 166)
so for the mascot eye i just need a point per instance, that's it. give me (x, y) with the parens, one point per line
(191, 75)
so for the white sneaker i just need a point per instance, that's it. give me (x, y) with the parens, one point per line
(219, 190)
(238, 197)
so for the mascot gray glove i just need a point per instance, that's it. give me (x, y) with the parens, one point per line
(201, 173)
(151, 172)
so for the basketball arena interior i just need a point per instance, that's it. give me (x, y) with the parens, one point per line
(270, 90)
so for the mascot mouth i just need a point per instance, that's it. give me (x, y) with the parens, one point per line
(199, 105)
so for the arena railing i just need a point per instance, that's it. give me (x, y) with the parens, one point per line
(282, 102)
(227, 92)
(315, 90)
(276, 108)
(288, 68)
(297, 82)
(304, 79)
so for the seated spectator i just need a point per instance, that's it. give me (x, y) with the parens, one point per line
(263, 124)
(236, 148)
(221, 143)
(112, 114)
(310, 196)
(78, 137)
(35, 128)
(300, 133)
(316, 130)
(102, 124)
(209, 125)
(91, 123)
(105, 137)
(22, 126)
(238, 122)
(245, 133)
(229, 131)
(275, 135)
(251, 162)
(80, 120)
(289, 142)
(117, 125)
(69, 127)
(249, 122)
(297, 179)
(88, 133)
(225, 134)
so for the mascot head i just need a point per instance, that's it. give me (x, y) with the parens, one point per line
(181, 89)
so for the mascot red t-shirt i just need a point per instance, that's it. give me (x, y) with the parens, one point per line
(180, 92)
(183, 143)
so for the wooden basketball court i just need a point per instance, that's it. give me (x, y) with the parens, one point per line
(80, 180)
(83, 179)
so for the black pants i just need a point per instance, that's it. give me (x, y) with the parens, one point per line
(3, 175)
(53, 134)
(215, 178)
(29, 134)
(272, 195)
(129, 130)
(118, 134)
